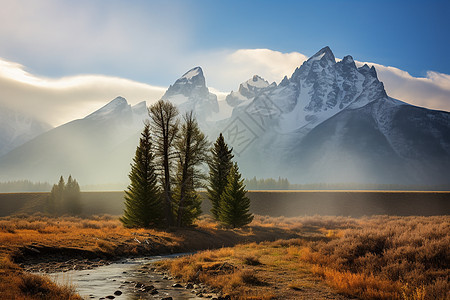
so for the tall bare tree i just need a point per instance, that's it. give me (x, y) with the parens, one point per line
(192, 148)
(163, 115)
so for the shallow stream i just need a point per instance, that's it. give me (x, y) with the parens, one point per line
(129, 279)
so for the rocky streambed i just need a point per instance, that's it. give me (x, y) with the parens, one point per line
(131, 278)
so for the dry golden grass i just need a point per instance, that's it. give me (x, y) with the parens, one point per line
(251, 271)
(15, 284)
(370, 258)
(402, 257)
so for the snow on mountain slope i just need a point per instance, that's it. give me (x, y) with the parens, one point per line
(321, 88)
(17, 128)
(120, 109)
(117, 106)
(247, 91)
(190, 92)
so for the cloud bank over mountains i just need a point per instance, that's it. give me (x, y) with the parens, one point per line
(60, 100)
(57, 101)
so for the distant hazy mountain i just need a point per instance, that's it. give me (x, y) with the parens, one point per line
(96, 149)
(17, 128)
(329, 122)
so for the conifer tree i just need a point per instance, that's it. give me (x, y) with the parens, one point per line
(234, 204)
(219, 168)
(192, 147)
(56, 199)
(143, 207)
(72, 197)
(163, 115)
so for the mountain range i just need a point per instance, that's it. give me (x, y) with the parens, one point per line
(330, 121)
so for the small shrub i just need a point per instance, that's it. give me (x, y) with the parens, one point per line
(251, 261)
(249, 277)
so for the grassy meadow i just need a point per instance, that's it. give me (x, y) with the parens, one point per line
(285, 255)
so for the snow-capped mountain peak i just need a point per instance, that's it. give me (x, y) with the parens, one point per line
(324, 54)
(256, 81)
(190, 92)
(366, 70)
(192, 73)
(118, 110)
(348, 60)
(248, 90)
(114, 107)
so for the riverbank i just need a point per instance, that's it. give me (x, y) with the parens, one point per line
(41, 243)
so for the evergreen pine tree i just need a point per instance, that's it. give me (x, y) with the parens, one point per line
(57, 196)
(72, 197)
(143, 207)
(219, 168)
(192, 147)
(234, 204)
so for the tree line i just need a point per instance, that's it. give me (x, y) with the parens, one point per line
(267, 184)
(284, 184)
(17, 186)
(166, 173)
(65, 198)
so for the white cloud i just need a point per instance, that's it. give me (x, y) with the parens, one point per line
(58, 101)
(225, 70)
(431, 92)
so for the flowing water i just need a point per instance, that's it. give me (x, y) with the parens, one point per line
(134, 279)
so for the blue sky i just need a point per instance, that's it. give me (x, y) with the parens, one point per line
(155, 42)
(411, 35)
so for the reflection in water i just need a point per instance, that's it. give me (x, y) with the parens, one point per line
(132, 277)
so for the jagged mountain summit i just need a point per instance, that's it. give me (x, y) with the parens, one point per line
(17, 128)
(334, 122)
(317, 90)
(190, 92)
(247, 91)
